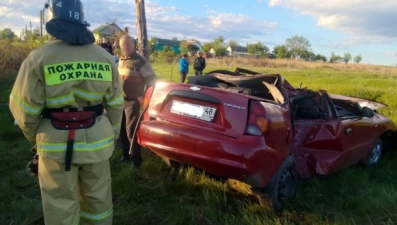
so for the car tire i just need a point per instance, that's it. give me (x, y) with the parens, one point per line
(375, 155)
(283, 186)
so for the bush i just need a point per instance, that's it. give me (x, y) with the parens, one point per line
(168, 57)
(12, 56)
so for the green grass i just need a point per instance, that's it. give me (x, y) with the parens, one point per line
(157, 194)
(5, 87)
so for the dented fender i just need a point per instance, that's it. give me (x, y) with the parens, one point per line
(305, 165)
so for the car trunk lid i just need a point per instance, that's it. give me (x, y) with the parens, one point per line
(204, 108)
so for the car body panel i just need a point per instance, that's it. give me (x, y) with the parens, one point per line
(246, 158)
(339, 138)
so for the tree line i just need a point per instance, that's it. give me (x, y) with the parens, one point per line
(25, 36)
(295, 47)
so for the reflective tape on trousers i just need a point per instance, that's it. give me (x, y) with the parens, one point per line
(73, 71)
(100, 216)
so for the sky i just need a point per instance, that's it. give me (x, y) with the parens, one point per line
(365, 27)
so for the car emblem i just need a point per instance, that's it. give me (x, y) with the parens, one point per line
(195, 88)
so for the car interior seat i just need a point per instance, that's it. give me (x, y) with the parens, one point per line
(307, 109)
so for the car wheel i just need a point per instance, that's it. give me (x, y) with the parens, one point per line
(284, 186)
(375, 154)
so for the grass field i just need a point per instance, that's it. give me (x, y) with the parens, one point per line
(159, 195)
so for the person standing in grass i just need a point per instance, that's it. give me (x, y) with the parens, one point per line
(183, 68)
(199, 64)
(137, 75)
(59, 100)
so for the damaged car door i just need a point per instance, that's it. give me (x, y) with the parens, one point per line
(356, 127)
(317, 130)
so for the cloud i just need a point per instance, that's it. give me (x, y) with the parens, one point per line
(369, 21)
(391, 53)
(163, 20)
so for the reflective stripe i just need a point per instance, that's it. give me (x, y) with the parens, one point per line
(69, 98)
(78, 146)
(117, 126)
(60, 101)
(117, 101)
(108, 96)
(29, 134)
(100, 216)
(88, 95)
(33, 110)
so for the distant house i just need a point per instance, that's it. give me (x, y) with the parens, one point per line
(237, 51)
(107, 31)
(194, 46)
(271, 55)
(212, 52)
(172, 44)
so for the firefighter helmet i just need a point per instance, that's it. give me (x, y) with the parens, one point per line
(67, 10)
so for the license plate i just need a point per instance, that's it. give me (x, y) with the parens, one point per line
(192, 110)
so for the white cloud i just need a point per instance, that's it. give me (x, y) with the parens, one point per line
(163, 20)
(391, 53)
(368, 21)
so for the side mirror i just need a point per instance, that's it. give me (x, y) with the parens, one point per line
(367, 112)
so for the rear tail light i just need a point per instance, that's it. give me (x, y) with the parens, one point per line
(257, 124)
(148, 96)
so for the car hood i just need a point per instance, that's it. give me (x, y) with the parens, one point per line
(361, 101)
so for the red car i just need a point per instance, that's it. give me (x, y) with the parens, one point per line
(258, 129)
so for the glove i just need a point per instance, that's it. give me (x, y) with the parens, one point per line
(33, 166)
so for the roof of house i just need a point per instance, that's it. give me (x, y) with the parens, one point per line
(108, 29)
(192, 42)
(167, 42)
(239, 49)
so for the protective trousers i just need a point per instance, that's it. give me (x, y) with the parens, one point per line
(80, 196)
(130, 119)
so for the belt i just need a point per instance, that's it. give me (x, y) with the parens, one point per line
(98, 109)
(71, 119)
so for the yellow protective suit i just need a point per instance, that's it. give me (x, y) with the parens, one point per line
(60, 75)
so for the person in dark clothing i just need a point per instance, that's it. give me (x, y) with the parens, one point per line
(108, 47)
(136, 75)
(183, 68)
(199, 64)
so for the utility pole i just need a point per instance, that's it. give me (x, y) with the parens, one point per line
(142, 29)
(395, 57)
(26, 33)
(41, 22)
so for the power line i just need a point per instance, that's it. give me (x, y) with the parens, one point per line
(12, 10)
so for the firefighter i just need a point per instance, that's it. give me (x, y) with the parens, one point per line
(68, 99)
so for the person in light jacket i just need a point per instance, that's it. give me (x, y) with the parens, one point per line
(59, 100)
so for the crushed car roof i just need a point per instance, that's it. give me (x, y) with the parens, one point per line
(363, 102)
